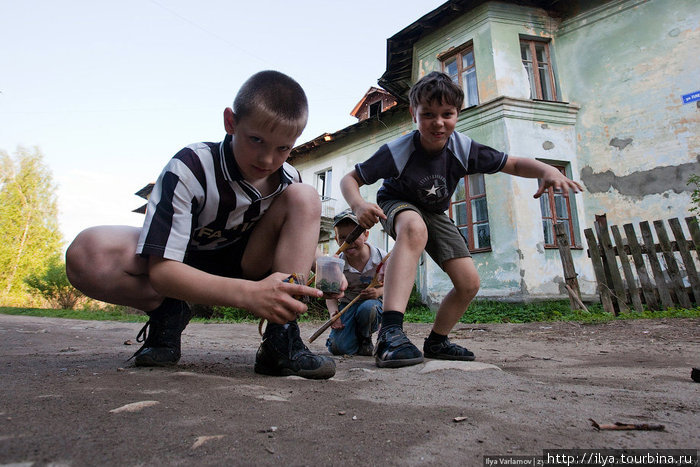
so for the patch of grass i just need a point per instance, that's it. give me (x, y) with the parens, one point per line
(112, 314)
(489, 311)
(480, 311)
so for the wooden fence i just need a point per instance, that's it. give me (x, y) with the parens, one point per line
(618, 285)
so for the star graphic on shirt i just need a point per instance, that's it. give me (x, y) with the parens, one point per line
(432, 191)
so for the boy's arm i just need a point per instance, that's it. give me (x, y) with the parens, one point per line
(367, 213)
(531, 168)
(332, 306)
(269, 298)
(372, 293)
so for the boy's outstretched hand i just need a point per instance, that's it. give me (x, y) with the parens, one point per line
(548, 175)
(368, 214)
(273, 299)
(558, 181)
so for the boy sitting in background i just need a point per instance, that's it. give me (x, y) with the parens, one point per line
(352, 333)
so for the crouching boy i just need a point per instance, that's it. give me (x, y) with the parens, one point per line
(226, 224)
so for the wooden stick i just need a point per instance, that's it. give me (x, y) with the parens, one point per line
(627, 426)
(332, 320)
(575, 297)
(374, 283)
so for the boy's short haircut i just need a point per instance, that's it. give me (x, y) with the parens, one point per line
(273, 97)
(436, 88)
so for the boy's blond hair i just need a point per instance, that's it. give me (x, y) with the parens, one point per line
(273, 97)
(438, 88)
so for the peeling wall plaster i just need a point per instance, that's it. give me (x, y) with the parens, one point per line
(654, 181)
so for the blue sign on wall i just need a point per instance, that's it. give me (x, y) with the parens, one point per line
(692, 97)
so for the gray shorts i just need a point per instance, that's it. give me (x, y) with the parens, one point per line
(445, 241)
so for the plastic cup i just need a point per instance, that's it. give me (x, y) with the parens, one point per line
(329, 273)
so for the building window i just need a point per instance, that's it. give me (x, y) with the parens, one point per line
(375, 109)
(461, 67)
(323, 183)
(538, 64)
(470, 213)
(555, 206)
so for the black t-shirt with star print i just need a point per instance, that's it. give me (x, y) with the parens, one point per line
(427, 181)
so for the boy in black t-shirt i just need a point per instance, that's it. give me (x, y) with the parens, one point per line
(421, 171)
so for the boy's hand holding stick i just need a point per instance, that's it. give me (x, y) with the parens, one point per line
(294, 279)
(376, 282)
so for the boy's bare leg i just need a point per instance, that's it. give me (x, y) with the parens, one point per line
(466, 283)
(394, 349)
(285, 240)
(286, 237)
(465, 279)
(400, 274)
(102, 263)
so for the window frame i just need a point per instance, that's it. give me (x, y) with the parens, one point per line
(377, 105)
(549, 193)
(458, 54)
(535, 68)
(324, 183)
(470, 225)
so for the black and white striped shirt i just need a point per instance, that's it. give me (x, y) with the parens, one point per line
(202, 202)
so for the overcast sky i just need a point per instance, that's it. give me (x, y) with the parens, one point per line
(109, 91)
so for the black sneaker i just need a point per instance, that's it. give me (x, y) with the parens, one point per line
(161, 334)
(366, 349)
(282, 353)
(394, 350)
(446, 351)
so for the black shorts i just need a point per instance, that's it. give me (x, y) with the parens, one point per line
(445, 241)
(225, 262)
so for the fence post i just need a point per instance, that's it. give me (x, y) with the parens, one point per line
(567, 263)
(687, 257)
(603, 287)
(627, 269)
(674, 273)
(650, 294)
(609, 258)
(659, 278)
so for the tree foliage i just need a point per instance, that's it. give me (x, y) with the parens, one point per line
(29, 230)
(694, 194)
(53, 285)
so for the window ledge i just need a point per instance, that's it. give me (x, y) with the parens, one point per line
(561, 113)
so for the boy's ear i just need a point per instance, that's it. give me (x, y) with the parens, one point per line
(229, 121)
(413, 114)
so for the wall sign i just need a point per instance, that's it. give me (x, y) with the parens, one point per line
(692, 97)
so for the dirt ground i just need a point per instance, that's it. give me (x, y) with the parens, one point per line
(533, 387)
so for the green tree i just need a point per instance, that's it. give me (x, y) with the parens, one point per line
(28, 221)
(53, 285)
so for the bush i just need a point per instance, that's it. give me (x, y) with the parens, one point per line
(695, 194)
(53, 285)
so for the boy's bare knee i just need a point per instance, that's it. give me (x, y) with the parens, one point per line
(303, 198)
(77, 262)
(413, 232)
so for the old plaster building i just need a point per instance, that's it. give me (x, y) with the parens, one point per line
(594, 88)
